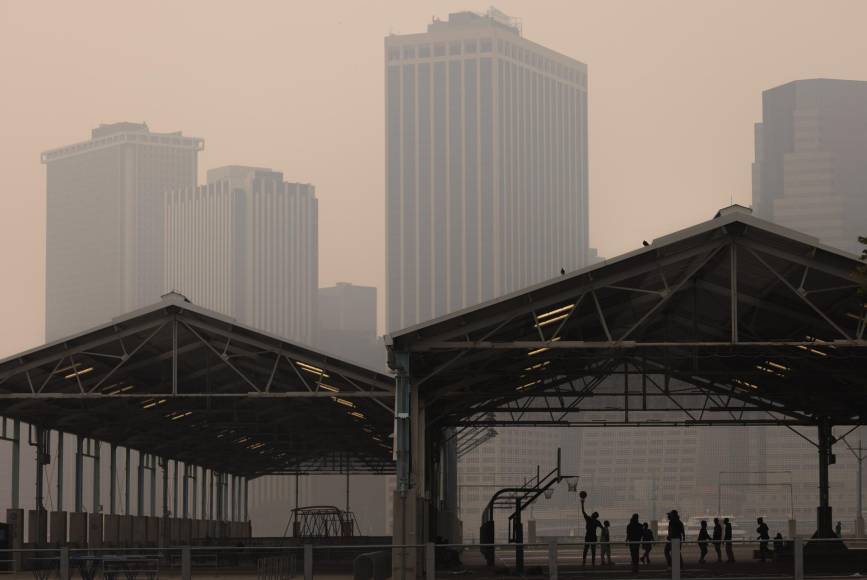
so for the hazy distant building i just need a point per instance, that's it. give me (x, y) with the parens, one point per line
(486, 165)
(810, 171)
(347, 324)
(104, 227)
(246, 245)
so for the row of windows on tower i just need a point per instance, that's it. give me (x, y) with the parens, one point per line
(485, 45)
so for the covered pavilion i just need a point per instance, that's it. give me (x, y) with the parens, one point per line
(176, 384)
(735, 321)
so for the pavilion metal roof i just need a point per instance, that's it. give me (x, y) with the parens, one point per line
(734, 320)
(182, 382)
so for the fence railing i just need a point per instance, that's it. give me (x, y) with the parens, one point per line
(796, 558)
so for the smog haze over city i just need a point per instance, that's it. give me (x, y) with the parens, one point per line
(356, 268)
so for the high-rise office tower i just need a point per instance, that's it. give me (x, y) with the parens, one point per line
(347, 324)
(486, 165)
(810, 171)
(104, 230)
(246, 245)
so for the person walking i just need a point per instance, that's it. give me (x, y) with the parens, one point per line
(764, 536)
(717, 539)
(605, 542)
(676, 531)
(838, 529)
(634, 537)
(703, 539)
(591, 522)
(646, 542)
(727, 538)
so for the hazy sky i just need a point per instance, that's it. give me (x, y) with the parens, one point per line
(675, 88)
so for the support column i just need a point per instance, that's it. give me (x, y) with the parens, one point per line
(165, 465)
(153, 463)
(410, 473)
(185, 492)
(194, 499)
(16, 464)
(79, 473)
(246, 499)
(175, 488)
(452, 531)
(112, 483)
(204, 493)
(60, 439)
(824, 519)
(97, 477)
(127, 478)
(139, 500)
(41, 457)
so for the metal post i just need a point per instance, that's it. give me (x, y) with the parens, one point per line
(112, 483)
(799, 559)
(519, 538)
(430, 561)
(246, 499)
(675, 559)
(347, 492)
(140, 495)
(153, 463)
(175, 488)
(60, 438)
(194, 499)
(824, 520)
(308, 562)
(79, 473)
(295, 511)
(552, 560)
(859, 513)
(40, 465)
(16, 464)
(127, 492)
(186, 564)
(165, 465)
(205, 514)
(97, 476)
(185, 491)
(64, 563)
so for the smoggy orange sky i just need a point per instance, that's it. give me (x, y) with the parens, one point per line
(675, 88)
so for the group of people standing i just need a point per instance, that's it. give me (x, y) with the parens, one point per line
(640, 539)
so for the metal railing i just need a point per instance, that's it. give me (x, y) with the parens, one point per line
(796, 558)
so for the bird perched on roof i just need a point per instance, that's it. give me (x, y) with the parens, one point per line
(562, 271)
(644, 243)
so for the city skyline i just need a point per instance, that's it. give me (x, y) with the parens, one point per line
(712, 166)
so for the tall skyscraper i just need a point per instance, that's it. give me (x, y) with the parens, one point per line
(104, 230)
(486, 165)
(246, 245)
(347, 324)
(810, 170)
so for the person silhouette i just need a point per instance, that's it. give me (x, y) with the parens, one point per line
(591, 522)
(838, 529)
(703, 538)
(605, 542)
(634, 536)
(764, 536)
(646, 542)
(727, 538)
(717, 539)
(676, 531)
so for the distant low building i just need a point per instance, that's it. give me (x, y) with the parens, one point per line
(246, 245)
(347, 324)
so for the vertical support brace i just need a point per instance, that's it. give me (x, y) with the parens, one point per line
(139, 500)
(60, 474)
(79, 473)
(97, 476)
(127, 492)
(430, 565)
(186, 564)
(552, 560)
(308, 562)
(185, 491)
(824, 525)
(799, 558)
(64, 563)
(675, 559)
(16, 464)
(112, 482)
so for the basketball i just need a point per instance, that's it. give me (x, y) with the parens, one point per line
(582, 494)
